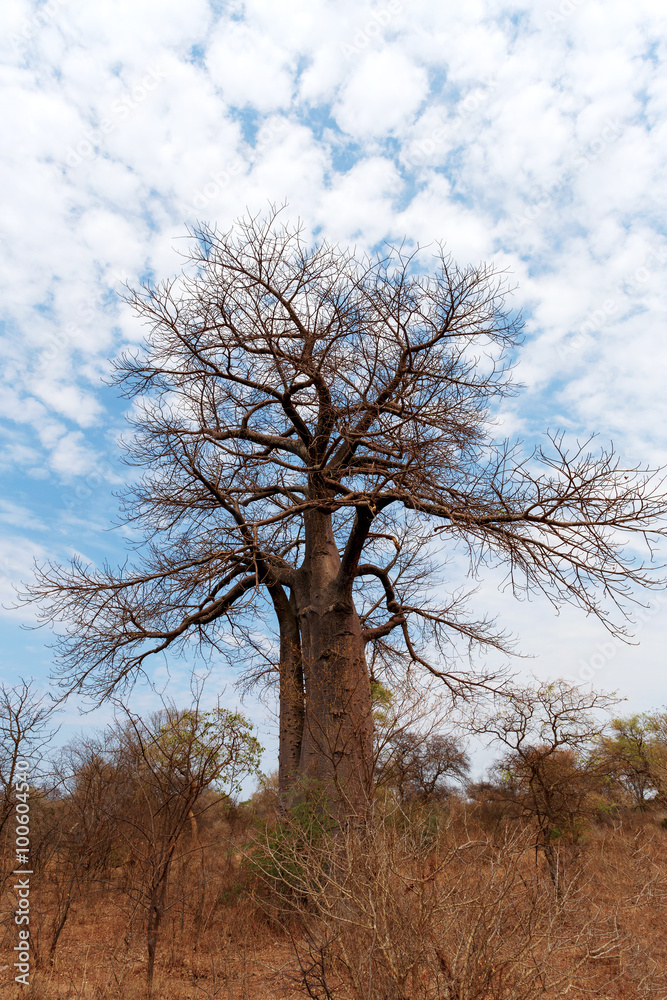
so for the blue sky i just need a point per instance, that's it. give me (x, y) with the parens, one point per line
(531, 135)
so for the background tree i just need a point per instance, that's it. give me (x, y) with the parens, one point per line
(163, 767)
(78, 839)
(548, 732)
(634, 755)
(422, 769)
(25, 731)
(416, 753)
(297, 408)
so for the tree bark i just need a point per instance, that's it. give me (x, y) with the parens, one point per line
(336, 750)
(552, 857)
(291, 694)
(152, 929)
(156, 909)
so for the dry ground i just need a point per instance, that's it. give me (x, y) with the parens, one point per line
(243, 954)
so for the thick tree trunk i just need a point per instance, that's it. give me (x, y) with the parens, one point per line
(336, 750)
(291, 694)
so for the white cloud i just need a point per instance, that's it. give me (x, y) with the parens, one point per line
(384, 89)
(20, 517)
(68, 401)
(17, 555)
(250, 68)
(72, 457)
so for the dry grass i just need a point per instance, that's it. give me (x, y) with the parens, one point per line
(97, 958)
(463, 914)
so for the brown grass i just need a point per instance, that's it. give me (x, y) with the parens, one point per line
(608, 939)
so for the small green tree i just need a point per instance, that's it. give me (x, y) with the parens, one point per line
(634, 755)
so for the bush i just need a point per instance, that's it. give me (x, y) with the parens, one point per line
(410, 907)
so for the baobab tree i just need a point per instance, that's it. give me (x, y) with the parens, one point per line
(303, 416)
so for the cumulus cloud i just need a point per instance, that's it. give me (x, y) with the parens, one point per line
(71, 456)
(531, 134)
(383, 90)
(250, 69)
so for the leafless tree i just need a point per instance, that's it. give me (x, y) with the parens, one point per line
(422, 769)
(165, 765)
(297, 409)
(25, 731)
(548, 732)
(418, 749)
(77, 839)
